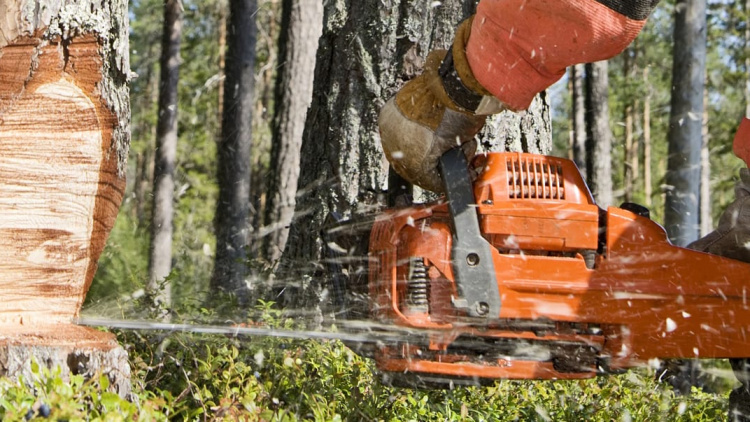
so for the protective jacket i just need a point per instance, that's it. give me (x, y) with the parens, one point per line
(518, 48)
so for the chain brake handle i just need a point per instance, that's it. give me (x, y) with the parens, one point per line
(471, 254)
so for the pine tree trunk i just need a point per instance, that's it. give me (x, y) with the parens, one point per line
(526, 131)
(706, 222)
(233, 207)
(647, 190)
(343, 169)
(578, 111)
(599, 135)
(630, 152)
(223, 12)
(746, 9)
(160, 256)
(630, 147)
(685, 127)
(301, 26)
(64, 137)
(144, 166)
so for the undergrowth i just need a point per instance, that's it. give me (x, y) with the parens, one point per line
(198, 377)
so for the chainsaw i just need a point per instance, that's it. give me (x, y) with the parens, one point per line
(520, 275)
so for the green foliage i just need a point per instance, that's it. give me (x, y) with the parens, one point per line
(204, 378)
(198, 377)
(48, 396)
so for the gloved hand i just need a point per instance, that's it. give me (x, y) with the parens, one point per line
(441, 109)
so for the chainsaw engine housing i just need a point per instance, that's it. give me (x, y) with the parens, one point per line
(574, 290)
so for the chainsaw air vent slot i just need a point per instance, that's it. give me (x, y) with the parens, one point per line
(534, 179)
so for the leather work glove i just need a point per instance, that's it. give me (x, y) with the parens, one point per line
(441, 109)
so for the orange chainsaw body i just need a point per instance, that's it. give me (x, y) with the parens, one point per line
(582, 290)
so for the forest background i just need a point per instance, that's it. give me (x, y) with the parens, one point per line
(639, 79)
(639, 95)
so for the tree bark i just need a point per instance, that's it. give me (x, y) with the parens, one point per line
(630, 163)
(526, 131)
(343, 169)
(685, 126)
(578, 112)
(233, 208)
(746, 40)
(301, 26)
(630, 153)
(160, 251)
(64, 137)
(647, 190)
(599, 135)
(223, 11)
(706, 222)
(144, 129)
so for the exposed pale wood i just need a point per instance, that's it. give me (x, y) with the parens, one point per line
(59, 185)
(64, 116)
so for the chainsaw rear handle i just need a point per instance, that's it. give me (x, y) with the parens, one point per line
(471, 254)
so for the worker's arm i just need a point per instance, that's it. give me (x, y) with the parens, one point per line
(501, 58)
(518, 48)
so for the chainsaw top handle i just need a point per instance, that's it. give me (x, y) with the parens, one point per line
(471, 253)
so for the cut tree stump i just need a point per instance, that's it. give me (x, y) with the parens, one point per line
(64, 118)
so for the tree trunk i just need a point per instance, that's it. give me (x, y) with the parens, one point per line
(685, 126)
(706, 222)
(631, 151)
(343, 169)
(160, 251)
(746, 9)
(223, 11)
(599, 135)
(578, 111)
(647, 190)
(64, 137)
(233, 207)
(527, 131)
(630, 147)
(301, 26)
(144, 129)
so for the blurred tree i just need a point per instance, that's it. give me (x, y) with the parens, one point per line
(685, 130)
(631, 145)
(160, 262)
(647, 189)
(301, 26)
(232, 223)
(578, 116)
(343, 169)
(598, 133)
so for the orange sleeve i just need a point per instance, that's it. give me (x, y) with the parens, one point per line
(517, 48)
